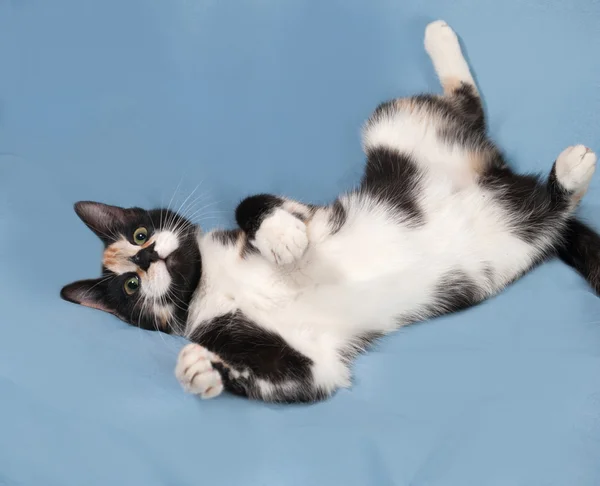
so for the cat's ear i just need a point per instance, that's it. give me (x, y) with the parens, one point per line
(101, 218)
(90, 293)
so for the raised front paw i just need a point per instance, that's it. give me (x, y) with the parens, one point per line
(195, 371)
(281, 238)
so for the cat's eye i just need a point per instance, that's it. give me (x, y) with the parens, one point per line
(140, 235)
(132, 285)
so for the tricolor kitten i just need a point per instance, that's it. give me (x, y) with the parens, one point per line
(278, 309)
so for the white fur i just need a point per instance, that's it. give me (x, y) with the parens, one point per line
(157, 280)
(374, 270)
(361, 279)
(441, 43)
(575, 167)
(408, 133)
(195, 372)
(166, 242)
(281, 238)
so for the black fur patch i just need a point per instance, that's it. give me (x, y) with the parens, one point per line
(581, 250)
(226, 237)
(536, 206)
(463, 115)
(394, 178)
(455, 291)
(248, 248)
(468, 104)
(145, 257)
(251, 212)
(245, 345)
(247, 387)
(241, 387)
(250, 352)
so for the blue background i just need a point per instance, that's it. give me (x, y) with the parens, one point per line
(135, 102)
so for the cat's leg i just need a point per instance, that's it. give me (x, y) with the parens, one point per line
(407, 138)
(275, 226)
(538, 211)
(571, 175)
(581, 250)
(207, 375)
(567, 183)
(443, 47)
(249, 360)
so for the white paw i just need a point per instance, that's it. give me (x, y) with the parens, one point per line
(439, 37)
(441, 43)
(281, 238)
(575, 167)
(195, 372)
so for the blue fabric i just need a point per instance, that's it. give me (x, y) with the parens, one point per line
(130, 101)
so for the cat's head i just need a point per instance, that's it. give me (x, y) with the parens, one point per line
(150, 266)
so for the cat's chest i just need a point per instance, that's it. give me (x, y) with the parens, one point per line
(250, 285)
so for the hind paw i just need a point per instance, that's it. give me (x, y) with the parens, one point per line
(575, 167)
(440, 37)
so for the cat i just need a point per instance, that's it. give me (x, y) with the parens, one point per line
(277, 309)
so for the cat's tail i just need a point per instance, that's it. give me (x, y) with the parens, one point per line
(581, 250)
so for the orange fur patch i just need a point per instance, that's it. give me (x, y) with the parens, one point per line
(576, 198)
(163, 314)
(117, 256)
(407, 104)
(478, 162)
(451, 84)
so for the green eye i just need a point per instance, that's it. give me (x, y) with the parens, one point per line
(140, 235)
(132, 285)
